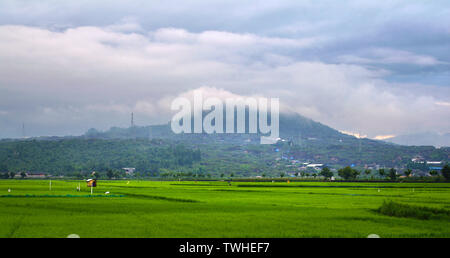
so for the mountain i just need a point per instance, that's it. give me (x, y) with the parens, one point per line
(292, 126)
(301, 139)
(155, 150)
(420, 139)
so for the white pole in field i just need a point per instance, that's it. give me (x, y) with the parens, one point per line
(50, 185)
(91, 190)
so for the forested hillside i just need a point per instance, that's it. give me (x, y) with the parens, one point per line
(66, 156)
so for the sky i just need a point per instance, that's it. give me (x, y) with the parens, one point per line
(377, 68)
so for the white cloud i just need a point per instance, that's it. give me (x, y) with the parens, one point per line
(357, 135)
(442, 103)
(127, 24)
(389, 56)
(85, 77)
(384, 137)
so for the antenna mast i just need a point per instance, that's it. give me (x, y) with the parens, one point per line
(133, 130)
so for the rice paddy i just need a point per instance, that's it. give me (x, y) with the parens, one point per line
(162, 209)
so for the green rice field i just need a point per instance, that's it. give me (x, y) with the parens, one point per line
(216, 209)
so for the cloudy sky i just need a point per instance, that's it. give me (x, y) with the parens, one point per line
(374, 67)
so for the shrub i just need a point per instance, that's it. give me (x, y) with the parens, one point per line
(395, 209)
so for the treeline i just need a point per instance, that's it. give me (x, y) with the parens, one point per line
(66, 157)
(351, 174)
(391, 174)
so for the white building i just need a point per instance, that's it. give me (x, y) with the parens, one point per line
(129, 171)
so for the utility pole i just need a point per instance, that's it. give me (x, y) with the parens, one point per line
(359, 148)
(133, 131)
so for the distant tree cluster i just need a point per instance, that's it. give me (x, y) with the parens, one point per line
(326, 172)
(446, 172)
(348, 173)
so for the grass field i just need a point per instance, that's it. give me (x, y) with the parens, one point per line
(215, 209)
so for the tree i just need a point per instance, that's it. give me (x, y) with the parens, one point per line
(23, 174)
(78, 175)
(348, 173)
(109, 173)
(282, 174)
(446, 172)
(381, 172)
(119, 174)
(326, 172)
(433, 173)
(3, 167)
(367, 172)
(407, 172)
(393, 174)
(12, 174)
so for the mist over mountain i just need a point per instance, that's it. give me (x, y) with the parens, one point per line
(420, 139)
(292, 126)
